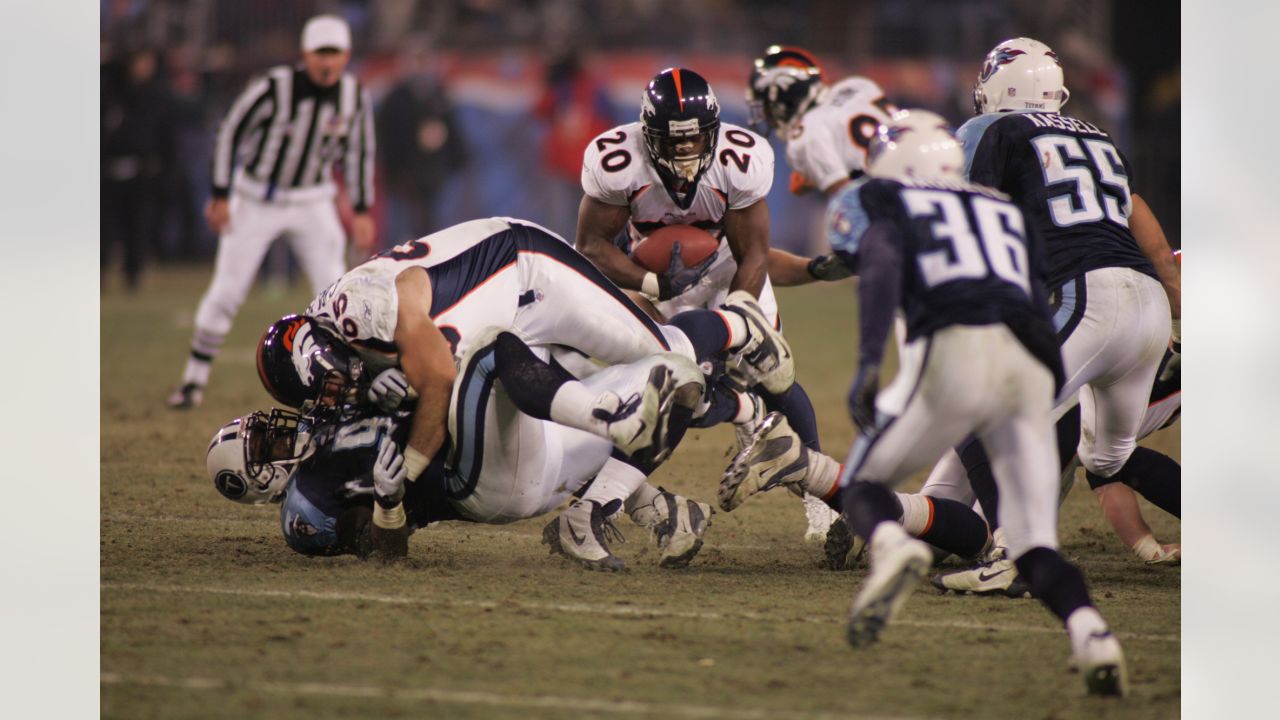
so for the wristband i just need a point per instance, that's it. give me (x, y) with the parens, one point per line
(650, 286)
(392, 519)
(414, 463)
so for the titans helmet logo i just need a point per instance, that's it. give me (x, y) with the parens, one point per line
(998, 57)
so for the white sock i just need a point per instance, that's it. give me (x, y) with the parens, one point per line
(746, 408)
(1083, 621)
(917, 513)
(738, 333)
(823, 475)
(640, 503)
(196, 371)
(572, 406)
(886, 533)
(616, 481)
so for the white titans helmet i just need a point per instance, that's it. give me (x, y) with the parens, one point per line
(251, 458)
(915, 144)
(1020, 74)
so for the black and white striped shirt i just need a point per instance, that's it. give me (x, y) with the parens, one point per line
(281, 136)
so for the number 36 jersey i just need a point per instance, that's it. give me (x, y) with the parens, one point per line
(1070, 180)
(616, 170)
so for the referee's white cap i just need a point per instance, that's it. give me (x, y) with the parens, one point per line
(326, 31)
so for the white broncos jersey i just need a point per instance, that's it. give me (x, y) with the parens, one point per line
(362, 305)
(829, 143)
(616, 170)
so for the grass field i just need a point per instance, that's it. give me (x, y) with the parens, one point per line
(206, 613)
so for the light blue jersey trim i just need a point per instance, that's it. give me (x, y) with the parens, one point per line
(846, 219)
(970, 134)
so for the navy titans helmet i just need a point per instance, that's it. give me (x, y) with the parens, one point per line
(681, 119)
(300, 361)
(783, 84)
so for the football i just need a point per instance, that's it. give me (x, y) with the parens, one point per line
(654, 252)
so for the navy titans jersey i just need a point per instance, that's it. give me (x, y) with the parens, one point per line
(347, 452)
(1070, 180)
(966, 256)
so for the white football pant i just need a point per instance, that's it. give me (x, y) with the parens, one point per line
(965, 380)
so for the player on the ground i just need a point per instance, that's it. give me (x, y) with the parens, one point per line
(422, 304)
(980, 358)
(501, 464)
(680, 165)
(1112, 279)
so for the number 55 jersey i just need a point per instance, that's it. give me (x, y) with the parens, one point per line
(1071, 181)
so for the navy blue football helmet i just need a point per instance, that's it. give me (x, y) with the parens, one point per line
(681, 118)
(302, 362)
(784, 83)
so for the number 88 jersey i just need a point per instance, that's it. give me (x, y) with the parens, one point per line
(1071, 181)
(616, 170)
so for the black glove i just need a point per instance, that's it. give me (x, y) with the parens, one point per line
(829, 268)
(862, 397)
(680, 277)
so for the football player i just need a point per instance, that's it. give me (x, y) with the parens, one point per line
(980, 359)
(680, 165)
(504, 460)
(421, 305)
(1115, 288)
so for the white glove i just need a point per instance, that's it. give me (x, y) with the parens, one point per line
(389, 473)
(389, 389)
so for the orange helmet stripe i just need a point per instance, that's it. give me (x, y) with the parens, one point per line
(675, 73)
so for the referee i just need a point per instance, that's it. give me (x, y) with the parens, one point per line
(273, 176)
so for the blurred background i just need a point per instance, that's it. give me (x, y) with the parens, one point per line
(483, 107)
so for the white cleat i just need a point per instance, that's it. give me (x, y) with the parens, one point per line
(996, 576)
(1101, 661)
(898, 563)
(581, 533)
(766, 357)
(638, 426)
(187, 397)
(677, 525)
(843, 549)
(773, 456)
(820, 517)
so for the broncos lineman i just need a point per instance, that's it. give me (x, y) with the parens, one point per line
(680, 165)
(980, 358)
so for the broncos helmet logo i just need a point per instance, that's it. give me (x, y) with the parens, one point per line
(1001, 56)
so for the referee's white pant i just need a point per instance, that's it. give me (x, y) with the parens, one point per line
(1114, 324)
(314, 234)
(976, 380)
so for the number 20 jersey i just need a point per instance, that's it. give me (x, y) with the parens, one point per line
(1070, 180)
(616, 170)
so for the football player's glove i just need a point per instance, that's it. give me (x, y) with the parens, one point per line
(862, 397)
(389, 474)
(389, 389)
(680, 277)
(829, 268)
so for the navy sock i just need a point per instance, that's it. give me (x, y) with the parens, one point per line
(796, 406)
(866, 505)
(1068, 431)
(530, 383)
(1054, 581)
(1155, 476)
(705, 329)
(955, 528)
(978, 467)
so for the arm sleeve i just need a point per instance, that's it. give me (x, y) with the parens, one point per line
(360, 151)
(257, 99)
(879, 288)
